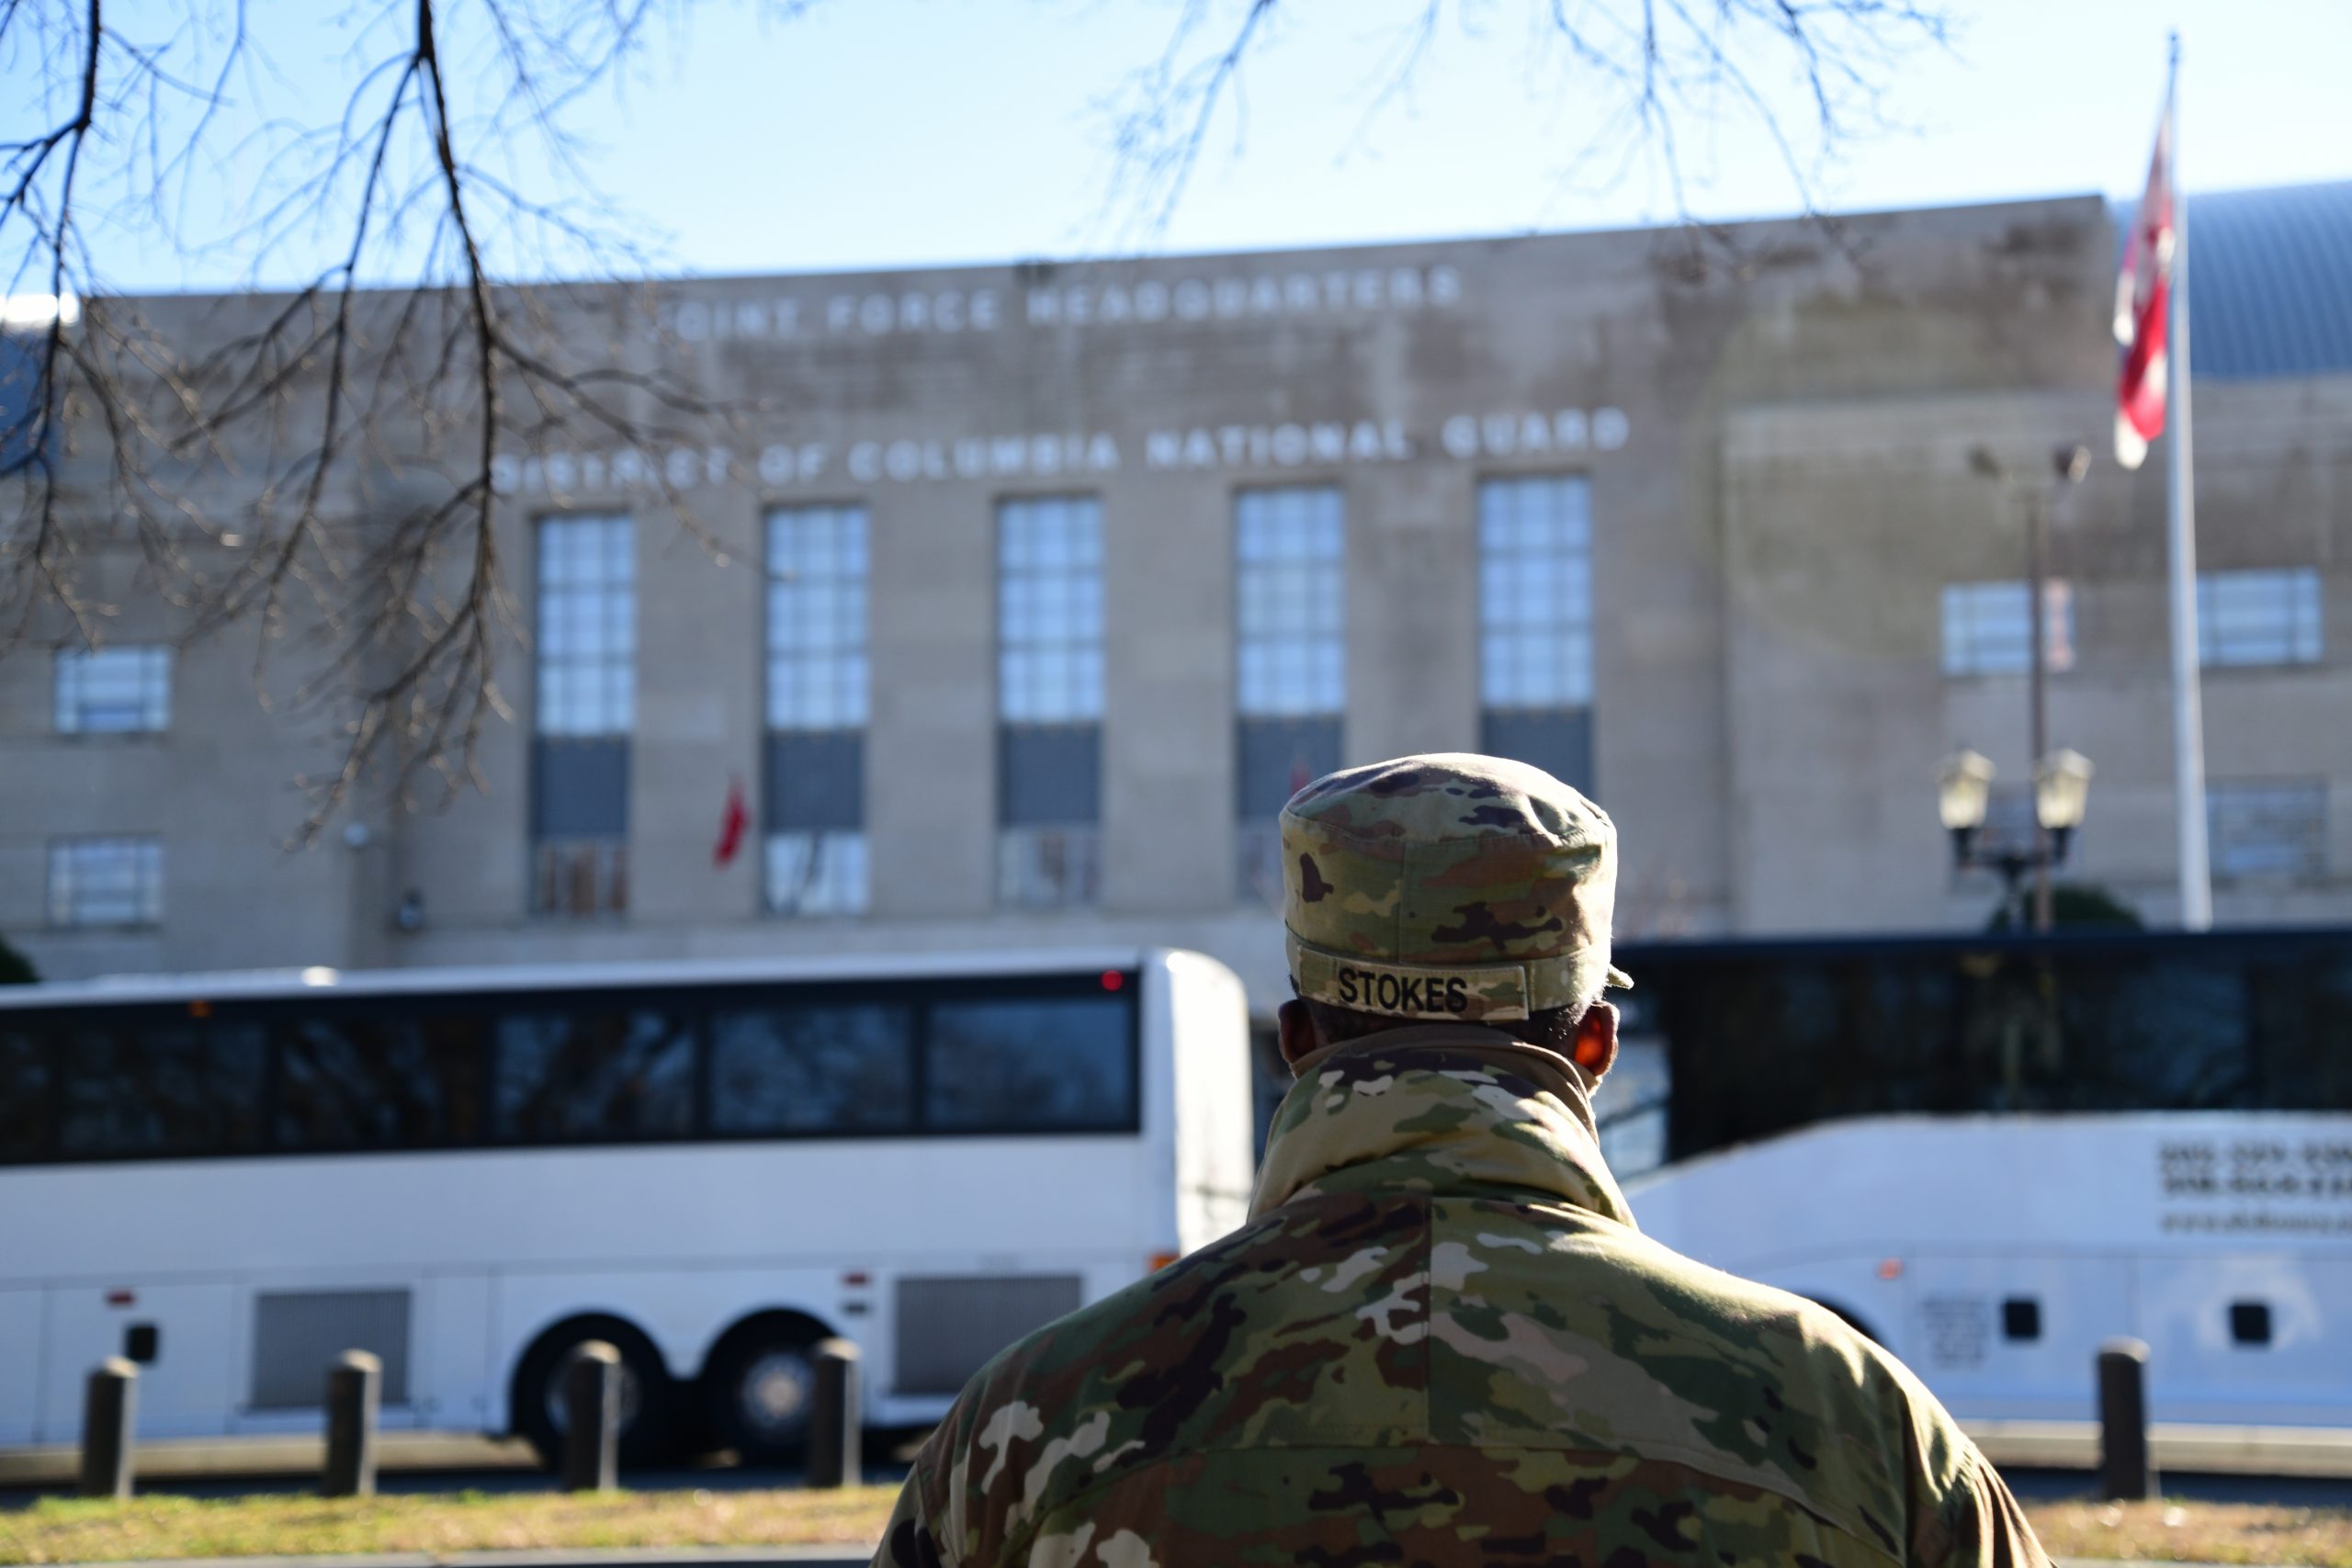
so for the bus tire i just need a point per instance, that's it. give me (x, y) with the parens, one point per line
(758, 1384)
(648, 1396)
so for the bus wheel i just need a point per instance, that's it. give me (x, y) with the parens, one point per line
(649, 1398)
(759, 1388)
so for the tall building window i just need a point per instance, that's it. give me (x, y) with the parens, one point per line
(2274, 831)
(106, 882)
(815, 813)
(1535, 623)
(113, 691)
(1049, 701)
(1290, 587)
(1986, 631)
(586, 707)
(2259, 617)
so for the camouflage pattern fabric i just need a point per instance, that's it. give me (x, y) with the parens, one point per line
(1439, 1339)
(1448, 886)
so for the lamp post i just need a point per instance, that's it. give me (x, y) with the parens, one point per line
(2062, 783)
(2069, 462)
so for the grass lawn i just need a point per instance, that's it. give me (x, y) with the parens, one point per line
(58, 1530)
(69, 1530)
(2195, 1533)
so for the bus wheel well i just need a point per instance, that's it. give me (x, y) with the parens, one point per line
(771, 1323)
(648, 1395)
(1847, 1317)
(614, 1329)
(757, 1388)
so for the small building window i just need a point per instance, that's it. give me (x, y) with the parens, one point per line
(1049, 701)
(2021, 1318)
(817, 872)
(113, 691)
(106, 882)
(2250, 1323)
(1290, 571)
(29, 419)
(1986, 630)
(2259, 617)
(2267, 831)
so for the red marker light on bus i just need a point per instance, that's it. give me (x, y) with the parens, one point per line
(122, 1299)
(855, 1279)
(1892, 1269)
(1113, 979)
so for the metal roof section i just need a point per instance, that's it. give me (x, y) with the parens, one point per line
(2270, 280)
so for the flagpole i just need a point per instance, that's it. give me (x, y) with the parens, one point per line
(2180, 515)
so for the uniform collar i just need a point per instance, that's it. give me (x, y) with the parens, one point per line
(1442, 1109)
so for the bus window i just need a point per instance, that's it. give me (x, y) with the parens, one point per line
(1059, 1063)
(565, 1076)
(812, 1070)
(364, 1083)
(2169, 1031)
(24, 1096)
(2302, 1000)
(159, 1090)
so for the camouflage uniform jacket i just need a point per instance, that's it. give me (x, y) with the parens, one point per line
(1439, 1339)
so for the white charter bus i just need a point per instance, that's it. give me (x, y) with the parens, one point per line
(1992, 1153)
(468, 1172)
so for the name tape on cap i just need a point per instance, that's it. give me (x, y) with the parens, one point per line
(1488, 992)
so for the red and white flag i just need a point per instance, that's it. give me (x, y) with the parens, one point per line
(2143, 298)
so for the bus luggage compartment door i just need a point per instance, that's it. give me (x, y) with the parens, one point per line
(2015, 1336)
(185, 1390)
(2252, 1338)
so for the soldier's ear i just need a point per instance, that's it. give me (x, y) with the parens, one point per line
(1295, 1030)
(1595, 1046)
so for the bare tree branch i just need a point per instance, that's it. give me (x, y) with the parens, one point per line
(1642, 73)
(316, 463)
(237, 454)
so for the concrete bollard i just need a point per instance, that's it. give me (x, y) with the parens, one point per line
(2127, 1473)
(592, 1418)
(110, 1418)
(354, 1394)
(837, 1423)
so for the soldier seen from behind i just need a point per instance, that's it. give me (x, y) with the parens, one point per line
(1440, 1337)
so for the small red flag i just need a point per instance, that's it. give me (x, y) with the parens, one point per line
(731, 823)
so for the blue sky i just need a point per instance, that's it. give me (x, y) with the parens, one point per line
(872, 132)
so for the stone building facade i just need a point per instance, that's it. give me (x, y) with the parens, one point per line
(1028, 592)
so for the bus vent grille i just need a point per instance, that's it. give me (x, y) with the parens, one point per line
(949, 1325)
(296, 1334)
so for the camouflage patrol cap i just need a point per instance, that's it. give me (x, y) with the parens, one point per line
(1448, 886)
